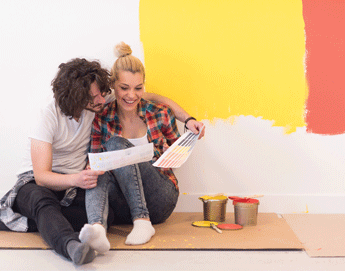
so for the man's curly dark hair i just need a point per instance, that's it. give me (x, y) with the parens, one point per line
(72, 84)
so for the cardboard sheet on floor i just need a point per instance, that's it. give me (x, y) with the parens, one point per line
(177, 232)
(22, 240)
(323, 235)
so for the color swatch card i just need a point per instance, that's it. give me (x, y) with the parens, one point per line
(115, 159)
(178, 152)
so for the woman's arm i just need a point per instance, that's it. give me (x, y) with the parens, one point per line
(193, 125)
(96, 135)
(42, 157)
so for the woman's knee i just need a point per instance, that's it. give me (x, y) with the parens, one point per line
(159, 214)
(158, 218)
(117, 143)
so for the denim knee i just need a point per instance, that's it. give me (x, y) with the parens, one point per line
(117, 143)
(31, 198)
(42, 197)
(160, 217)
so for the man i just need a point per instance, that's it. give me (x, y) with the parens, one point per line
(49, 195)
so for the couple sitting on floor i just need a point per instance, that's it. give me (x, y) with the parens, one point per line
(60, 196)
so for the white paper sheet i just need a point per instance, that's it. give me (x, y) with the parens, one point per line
(115, 159)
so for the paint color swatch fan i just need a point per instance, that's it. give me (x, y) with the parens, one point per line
(178, 152)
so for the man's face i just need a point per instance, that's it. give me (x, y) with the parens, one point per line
(98, 100)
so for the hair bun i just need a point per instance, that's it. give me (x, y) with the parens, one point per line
(122, 49)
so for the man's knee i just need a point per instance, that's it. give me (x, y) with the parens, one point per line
(117, 143)
(37, 197)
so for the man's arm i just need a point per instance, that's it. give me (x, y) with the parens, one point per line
(180, 113)
(42, 156)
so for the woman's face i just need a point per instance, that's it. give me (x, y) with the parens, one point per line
(129, 88)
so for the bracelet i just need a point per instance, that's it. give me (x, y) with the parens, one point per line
(185, 122)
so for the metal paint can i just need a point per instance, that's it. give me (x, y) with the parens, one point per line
(214, 208)
(246, 211)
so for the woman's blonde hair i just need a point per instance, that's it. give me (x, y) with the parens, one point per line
(125, 62)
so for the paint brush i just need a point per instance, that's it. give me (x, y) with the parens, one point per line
(215, 228)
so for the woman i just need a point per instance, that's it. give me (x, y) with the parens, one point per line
(139, 193)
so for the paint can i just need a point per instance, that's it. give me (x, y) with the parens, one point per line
(214, 208)
(246, 211)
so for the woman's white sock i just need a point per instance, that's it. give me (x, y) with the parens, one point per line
(96, 237)
(141, 233)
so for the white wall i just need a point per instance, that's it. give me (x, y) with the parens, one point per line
(298, 172)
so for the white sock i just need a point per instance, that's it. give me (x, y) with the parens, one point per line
(96, 237)
(141, 233)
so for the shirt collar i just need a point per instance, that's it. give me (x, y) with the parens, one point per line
(142, 109)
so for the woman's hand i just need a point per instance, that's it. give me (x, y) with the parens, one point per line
(165, 147)
(196, 127)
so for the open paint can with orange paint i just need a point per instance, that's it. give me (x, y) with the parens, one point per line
(214, 207)
(246, 211)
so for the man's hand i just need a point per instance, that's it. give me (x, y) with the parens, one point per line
(196, 127)
(87, 179)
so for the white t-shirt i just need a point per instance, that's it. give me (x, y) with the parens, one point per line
(139, 141)
(70, 139)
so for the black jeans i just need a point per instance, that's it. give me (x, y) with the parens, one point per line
(57, 224)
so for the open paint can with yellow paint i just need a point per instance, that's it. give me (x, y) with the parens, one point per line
(214, 207)
(246, 211)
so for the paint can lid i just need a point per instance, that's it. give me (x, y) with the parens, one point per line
(204, 223)
(214, 198)
(229, 226)
(245, 200)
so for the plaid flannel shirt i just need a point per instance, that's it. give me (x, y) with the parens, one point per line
(161, 128)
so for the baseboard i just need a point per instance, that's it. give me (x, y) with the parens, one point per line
(280, 204)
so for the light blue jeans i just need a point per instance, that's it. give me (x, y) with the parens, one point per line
(134, 191)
